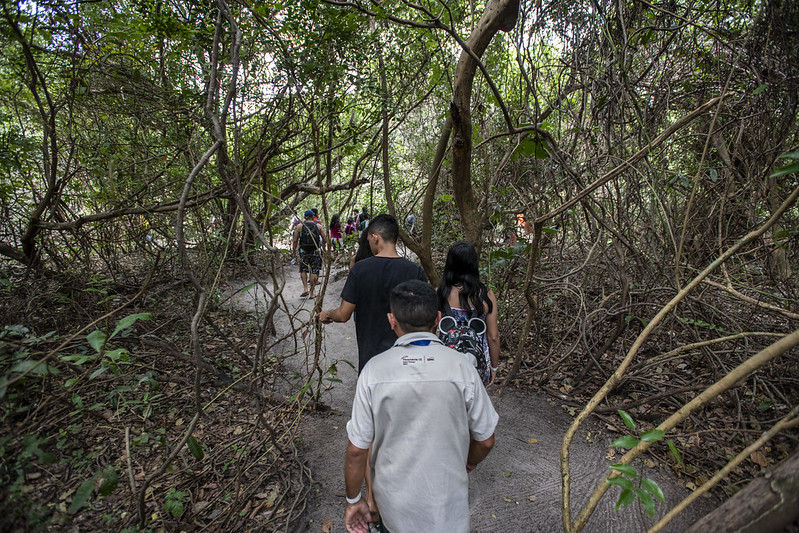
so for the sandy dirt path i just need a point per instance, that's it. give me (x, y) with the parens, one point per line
(517, 488)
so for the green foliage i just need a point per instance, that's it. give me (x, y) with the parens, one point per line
(701, 324)
(632, 485)
(531, 146)
(195, 448)
(81, 497)
(790, 168)
(174, 502)
(503, 256)
(17, 352)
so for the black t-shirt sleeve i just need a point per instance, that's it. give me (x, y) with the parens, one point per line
(349, 293)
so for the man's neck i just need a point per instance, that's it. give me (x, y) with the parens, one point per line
(386, 249)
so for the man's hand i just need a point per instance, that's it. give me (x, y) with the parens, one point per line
(341, 314)
(478, 451)
(357, 517)
(324, 317)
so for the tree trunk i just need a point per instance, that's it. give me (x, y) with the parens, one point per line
(499, 15)
(768, 503)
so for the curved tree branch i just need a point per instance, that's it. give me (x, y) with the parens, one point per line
(610, 384)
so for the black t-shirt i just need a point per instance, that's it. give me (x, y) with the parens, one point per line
(369, 286)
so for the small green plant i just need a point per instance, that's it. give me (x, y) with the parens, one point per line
(634, 486)
(108, 479)
(174, 502)
(113, 358)
(701, 324)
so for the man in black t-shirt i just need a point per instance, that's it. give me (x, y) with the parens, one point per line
(369, 286)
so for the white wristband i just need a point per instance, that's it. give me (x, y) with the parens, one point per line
(494, 368)
(353, 500)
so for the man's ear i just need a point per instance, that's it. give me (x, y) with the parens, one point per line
(438, 319)
(392, 321)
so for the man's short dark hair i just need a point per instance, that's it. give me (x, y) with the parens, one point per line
(415, 305)
(386, 226)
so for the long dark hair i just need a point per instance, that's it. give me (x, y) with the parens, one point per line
(364, 250)
(462, 269)
(334, 221)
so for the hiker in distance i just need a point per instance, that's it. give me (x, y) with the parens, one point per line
(431, 421)
(368, 286)
(308, 241)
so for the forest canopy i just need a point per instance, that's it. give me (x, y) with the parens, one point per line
(629, 172)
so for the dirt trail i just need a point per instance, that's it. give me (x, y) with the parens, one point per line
(517, 488)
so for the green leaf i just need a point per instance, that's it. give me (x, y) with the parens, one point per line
(129, 320)
(531, 146)
(3, 386)
(76, 360)
(787, 169)
(626, 497)
(674, 451)
(626, 441)
(175, 508)
(624, 469)
(653, 488)
(98, 372)
(628, 420)
(646, 501)
(34, 367)
(195, 448)
(760, 89)
(82, 495)
(653, 435)
(109, 482)
(120, 354)
(96, 340)
(619, 481)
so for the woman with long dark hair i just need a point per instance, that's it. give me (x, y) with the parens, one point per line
(335, 232)
(463, 296)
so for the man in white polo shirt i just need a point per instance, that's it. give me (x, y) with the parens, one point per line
(429, 419)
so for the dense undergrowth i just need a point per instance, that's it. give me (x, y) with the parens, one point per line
(89, 429)
(590, 310)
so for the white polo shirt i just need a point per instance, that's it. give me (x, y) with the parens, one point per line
(420, 402)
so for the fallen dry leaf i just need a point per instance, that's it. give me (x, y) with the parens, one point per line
(759, 458)
(532, 441)
(327, 526)
(269, 497)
